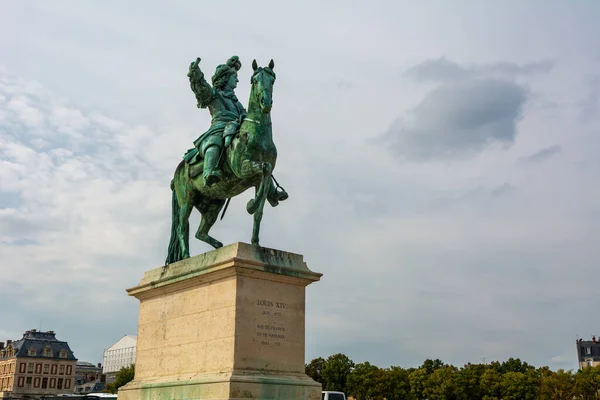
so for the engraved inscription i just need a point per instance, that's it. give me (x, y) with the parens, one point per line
(270, 326)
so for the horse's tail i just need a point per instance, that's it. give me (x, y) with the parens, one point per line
(175, 251)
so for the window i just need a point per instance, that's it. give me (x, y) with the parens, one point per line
(36, 382)
(38, 369)
(61, 370)
(62, 354)
(69, 370)
(21, 381)
(22, 367)
(590, 363)
(47, 352)
(52, 383)
(44, 383)
(30, 368)
(53, 370)
(31, 352)
(588, 351)
(67, 384)
(59, 383)
(46, 368)
(12, 368)
(28, 382)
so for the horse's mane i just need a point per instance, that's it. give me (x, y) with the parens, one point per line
(261, 69)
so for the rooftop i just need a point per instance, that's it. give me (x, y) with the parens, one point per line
(37, 344)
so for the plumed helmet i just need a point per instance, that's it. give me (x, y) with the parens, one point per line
(224, 71)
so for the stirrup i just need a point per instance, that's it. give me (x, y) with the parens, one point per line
(211, 178)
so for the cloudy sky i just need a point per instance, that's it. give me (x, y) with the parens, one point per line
(442, 162)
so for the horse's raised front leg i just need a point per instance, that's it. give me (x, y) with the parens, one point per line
(252, 168)
(259, 202)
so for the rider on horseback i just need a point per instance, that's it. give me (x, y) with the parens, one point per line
(226, 111)
(227, 116)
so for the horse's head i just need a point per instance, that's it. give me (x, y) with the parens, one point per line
(262, 85)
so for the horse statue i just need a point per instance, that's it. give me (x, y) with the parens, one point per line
(248, 161)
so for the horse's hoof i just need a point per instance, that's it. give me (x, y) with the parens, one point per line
(210, 240)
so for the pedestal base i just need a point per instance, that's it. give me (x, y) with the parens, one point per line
(238, 386)
(227, 324)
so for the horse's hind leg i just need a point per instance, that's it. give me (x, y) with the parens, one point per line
(184, 227)
(209, 211)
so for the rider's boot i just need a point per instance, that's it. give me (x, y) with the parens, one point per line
(211, 174)
(275, 195)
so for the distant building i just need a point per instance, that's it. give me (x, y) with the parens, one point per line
(88, 378)
(36, 365)
(119, 355)
(588, 352)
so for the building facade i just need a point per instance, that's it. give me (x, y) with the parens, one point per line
(588, 352)
(36, 365)
(88, 378)
(119, 355)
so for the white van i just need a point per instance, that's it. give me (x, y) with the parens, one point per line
(333, 396)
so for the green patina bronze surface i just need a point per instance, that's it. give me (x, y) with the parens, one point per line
(236, 153)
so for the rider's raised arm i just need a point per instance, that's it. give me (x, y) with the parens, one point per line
(203, 91)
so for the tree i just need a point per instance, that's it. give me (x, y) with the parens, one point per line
(124, 376)
(491, 384)
(520, 386)
(441, 384)
(587, 383)
(335, 372)
(314, 369)
(468, 382)
(515, 365)
(397, 384)
(418, 382)
(559, 385)
(431, 365)
(366, 382)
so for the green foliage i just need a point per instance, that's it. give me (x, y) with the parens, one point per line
(587, 383)
(520, 386)
(366, 382)
(314, 369)
(557, 386)
(514, 365)
(441, 384)
(397, 384)
(468, 382)
(509, 380)
(418, 383)
(491, 384)
(124, 376)
(335, 372)
(431, 365)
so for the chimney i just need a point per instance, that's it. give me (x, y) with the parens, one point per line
(1, 345)
(8, 343)
(99, 365)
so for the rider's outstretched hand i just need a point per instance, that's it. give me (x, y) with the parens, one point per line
(194, 71)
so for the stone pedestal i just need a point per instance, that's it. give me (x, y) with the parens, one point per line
(227, 324)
